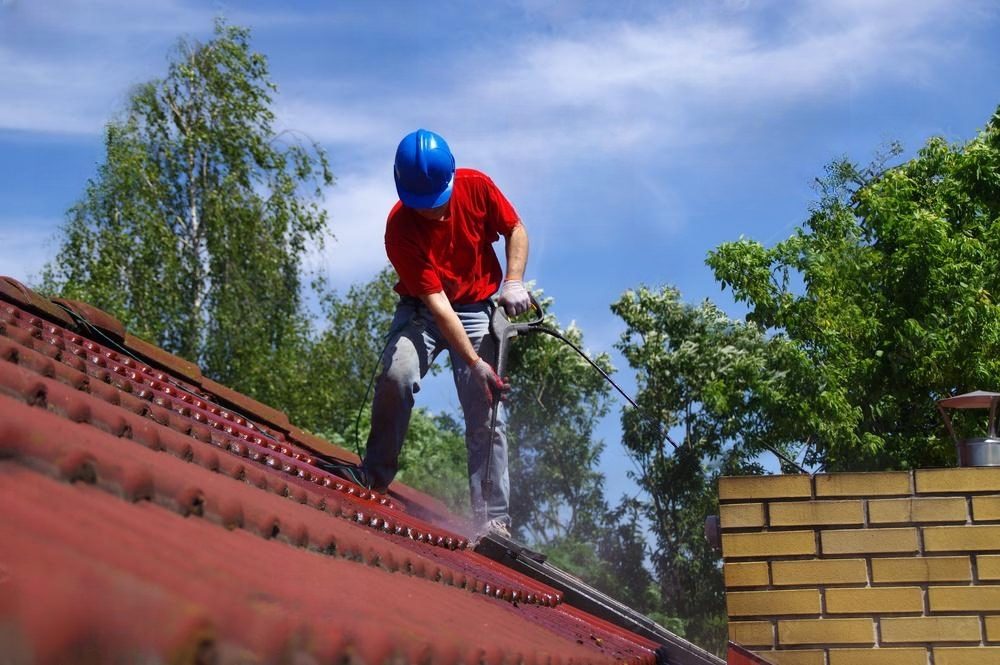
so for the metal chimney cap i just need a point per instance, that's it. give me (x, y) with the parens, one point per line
(977, 399)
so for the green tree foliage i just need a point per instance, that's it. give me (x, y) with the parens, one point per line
(555, 403)
(712, 393)
(434, 458)
(193, 229)
(345, 355)
(890, 291)
(557, 493)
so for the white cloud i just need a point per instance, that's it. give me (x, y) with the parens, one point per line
(555, 106)
(107, 18)
(25, 246)
(66, 67)
(63, 97)
(604, 83)
(619, 85)
(638, 87)
(358, 206)
(340, 123)
(542, 109)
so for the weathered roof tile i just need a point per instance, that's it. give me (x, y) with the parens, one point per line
(151, 514)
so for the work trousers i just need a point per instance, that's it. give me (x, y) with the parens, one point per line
(414, 342)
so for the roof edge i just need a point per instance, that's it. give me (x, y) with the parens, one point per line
(17, 293)
(105, 323)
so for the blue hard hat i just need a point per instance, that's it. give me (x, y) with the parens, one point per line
(424, 170)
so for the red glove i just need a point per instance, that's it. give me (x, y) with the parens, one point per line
(514, 297)
(488, 380)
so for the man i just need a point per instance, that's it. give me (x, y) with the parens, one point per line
(439, 237)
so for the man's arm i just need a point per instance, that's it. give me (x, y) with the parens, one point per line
(516, 247)
(447, 321)
(449, 325)
(513, 296)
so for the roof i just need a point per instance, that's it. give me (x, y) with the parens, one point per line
(154, 515)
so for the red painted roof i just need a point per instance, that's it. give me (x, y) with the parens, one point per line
(152, 515)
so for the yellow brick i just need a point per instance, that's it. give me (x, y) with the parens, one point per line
(964, 598)
(741, 515)
(794, 657)
(775, 543)
(971, 538)
(869, 541)
(819, 572)
(927, 509)
(905, 656)
(883, 483)
(765, 603)
(764, 487)
(930, 629)
(818, 513)
(826, 631)
(746, 574)
(966, 655)
(988, 566)
(986, 508)
(922, 569)
(951, 481)
(992, 628)
(878, 601)
(752, 633)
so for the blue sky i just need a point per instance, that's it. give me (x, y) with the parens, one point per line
(632, 137)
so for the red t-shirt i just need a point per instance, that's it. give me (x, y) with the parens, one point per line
(455, 254)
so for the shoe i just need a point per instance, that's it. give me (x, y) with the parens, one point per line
(354, 474)
(498, 527)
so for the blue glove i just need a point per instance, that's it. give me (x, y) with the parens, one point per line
(514, 297)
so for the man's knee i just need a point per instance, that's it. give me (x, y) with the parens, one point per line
(400, 368)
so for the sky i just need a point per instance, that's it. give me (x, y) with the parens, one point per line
(632, 137)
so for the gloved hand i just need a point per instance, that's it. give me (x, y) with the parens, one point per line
(514, 297)
(484, 376)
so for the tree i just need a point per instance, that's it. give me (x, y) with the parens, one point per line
(890, 291)
(434, 458)
(193, 230)
(555, 403)
(557, 492)
(345, 355)
(712, 393)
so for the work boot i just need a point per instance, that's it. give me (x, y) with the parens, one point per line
(348, 472)
(498, 527)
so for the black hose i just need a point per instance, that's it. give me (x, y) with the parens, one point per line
(659, 424)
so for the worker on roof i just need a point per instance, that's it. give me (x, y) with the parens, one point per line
(439, 237)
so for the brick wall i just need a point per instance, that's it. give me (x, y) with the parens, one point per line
(865, 568)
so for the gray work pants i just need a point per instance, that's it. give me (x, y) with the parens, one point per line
(414, 342)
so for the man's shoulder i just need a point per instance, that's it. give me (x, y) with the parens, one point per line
(473, 178)
(398, 213)
(396, 209)
(475, 185)
(397, 223)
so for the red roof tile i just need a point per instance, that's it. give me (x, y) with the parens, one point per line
(151, 515)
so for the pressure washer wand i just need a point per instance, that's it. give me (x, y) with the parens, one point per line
(502, 330)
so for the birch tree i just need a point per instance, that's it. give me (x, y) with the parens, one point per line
(193, 229)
